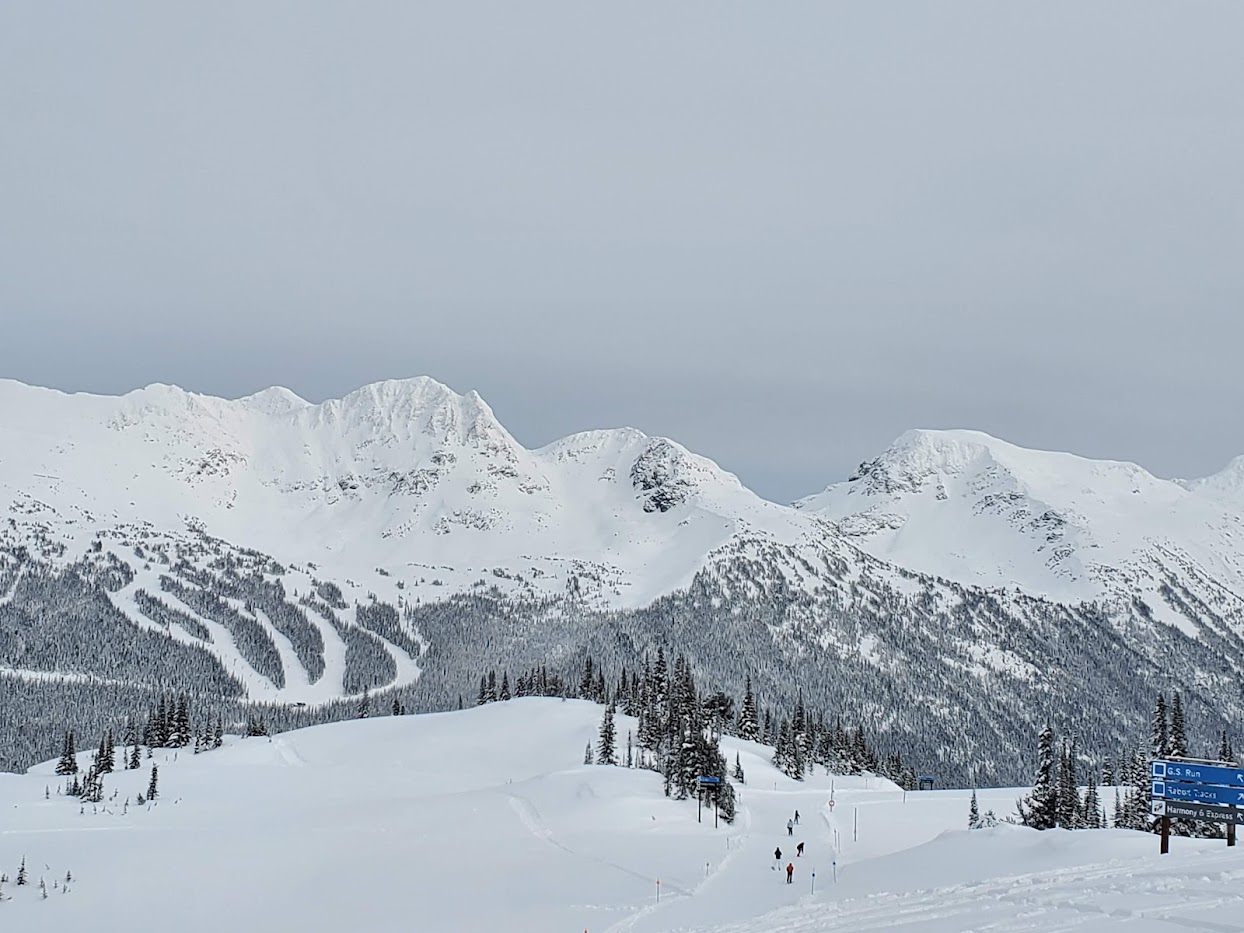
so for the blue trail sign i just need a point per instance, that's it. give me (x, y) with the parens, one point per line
(1195, 790)
(1197, 793)
(1196, 774)
(708, 779)
(1209, 812)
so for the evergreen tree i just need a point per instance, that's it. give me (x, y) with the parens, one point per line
(397, 707)
(152, 788)
(68, 763)
(726, 807)
(1040, 809)
(660, 684)
(1135, 809)
(974, 813)
(490, 693)
(748, 726)
(1224, 749)
(179, 724)
(483, 690)
(100, 761)
(505, 686)
(21, 873)
(1069, 811)
(364, 707)
(1159, 737)
(799, 737)
(1091, 813)
(1107, 773)
(738, 769)
(630, 751)
(588, 681)
(110, 748)
(600, 693)
(134, 759)
(1179, 737)
(605, 751)
(587, 754)
(163, 728)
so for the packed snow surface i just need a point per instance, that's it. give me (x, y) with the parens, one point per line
(483, 820)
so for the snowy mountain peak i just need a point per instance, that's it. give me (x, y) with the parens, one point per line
(408, 408)
(1227, 483)
(275, 400)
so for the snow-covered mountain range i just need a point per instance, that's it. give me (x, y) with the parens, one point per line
(971, 508)
(401, 538)
(407, 476)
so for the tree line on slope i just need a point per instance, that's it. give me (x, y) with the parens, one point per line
(1056, 800)
(919, 687)
(802, 740)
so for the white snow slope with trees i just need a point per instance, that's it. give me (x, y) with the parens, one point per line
(953, 596)
(484, 820)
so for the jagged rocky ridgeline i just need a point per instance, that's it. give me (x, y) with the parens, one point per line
(951, 597)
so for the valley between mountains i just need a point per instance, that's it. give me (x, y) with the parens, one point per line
(271, 553)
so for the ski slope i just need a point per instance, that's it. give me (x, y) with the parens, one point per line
(485, 820)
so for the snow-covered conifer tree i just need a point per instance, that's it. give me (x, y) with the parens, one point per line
(748, 726)
(606, 751)
(1178, 747)
(1159, 736)
(68, 763)
(1040, 809)
(1091, 810)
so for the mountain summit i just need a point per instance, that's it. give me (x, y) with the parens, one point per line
(399, 539)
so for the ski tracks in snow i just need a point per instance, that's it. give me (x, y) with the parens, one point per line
(288, 754)
(1104, 897)
(533, 822)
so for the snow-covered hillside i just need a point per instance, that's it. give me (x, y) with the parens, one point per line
(406, 476)
(971, 508)
(401, 540)
(484, 820)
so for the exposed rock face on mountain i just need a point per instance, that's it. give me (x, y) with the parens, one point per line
(953, 594)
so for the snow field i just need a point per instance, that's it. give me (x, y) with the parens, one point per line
(484, 820)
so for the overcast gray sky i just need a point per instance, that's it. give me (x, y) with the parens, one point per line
(781, 233)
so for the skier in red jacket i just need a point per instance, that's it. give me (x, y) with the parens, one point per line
(790, 870)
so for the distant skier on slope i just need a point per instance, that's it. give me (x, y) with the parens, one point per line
(790, 827)
(799, 850)
(790, 870)
(796, 817)
(777, 855)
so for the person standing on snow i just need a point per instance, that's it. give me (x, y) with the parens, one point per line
(790, 870)
(790, 827)
(796, 817)
(777, 855)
